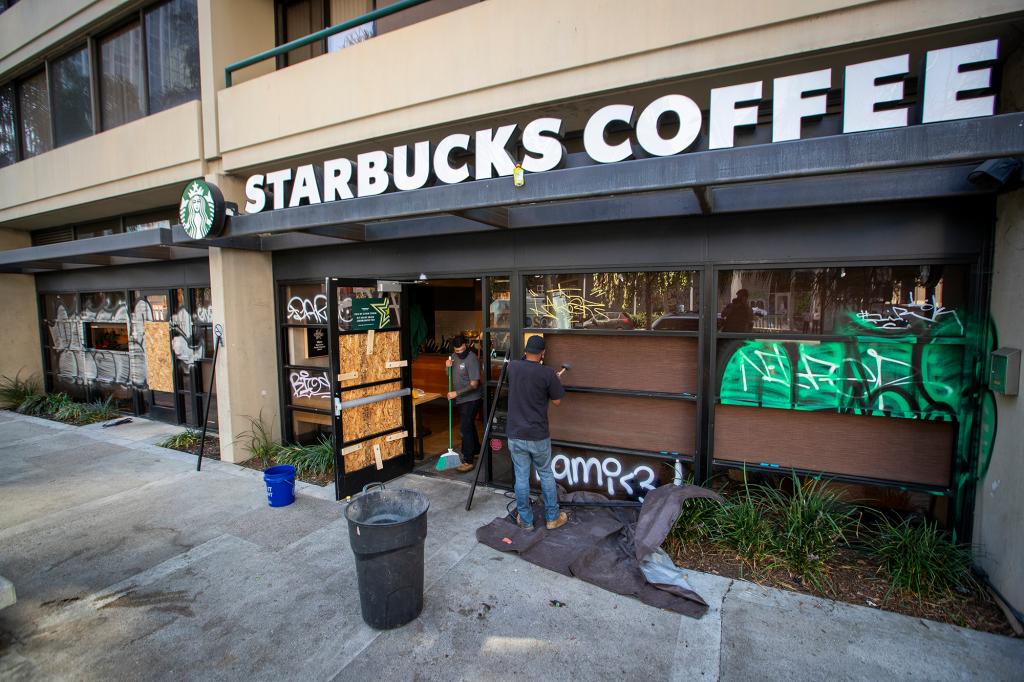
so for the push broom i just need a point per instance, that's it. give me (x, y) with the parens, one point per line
(450, 459)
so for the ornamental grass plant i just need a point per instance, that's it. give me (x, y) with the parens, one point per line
(920, 558)
(187, 440)
(13, 392)
(315, 460)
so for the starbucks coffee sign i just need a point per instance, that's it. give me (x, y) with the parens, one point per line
(201, 210)
(954, 83)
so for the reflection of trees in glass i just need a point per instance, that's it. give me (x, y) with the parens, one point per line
(35, 115)
(72, 101)
(172, 51)
(8, 139)
(612, 300)
(121, 76)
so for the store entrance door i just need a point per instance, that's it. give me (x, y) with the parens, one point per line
(372, 382)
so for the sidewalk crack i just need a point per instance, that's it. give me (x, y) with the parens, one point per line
(721, 626)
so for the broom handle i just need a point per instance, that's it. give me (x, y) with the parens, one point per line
(449, 410)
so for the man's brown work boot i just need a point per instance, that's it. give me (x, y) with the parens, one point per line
(559, 522)
(464, 467)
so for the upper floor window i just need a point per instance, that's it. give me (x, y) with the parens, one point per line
(145, 65)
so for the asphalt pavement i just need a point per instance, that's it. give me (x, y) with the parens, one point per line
(129, 564)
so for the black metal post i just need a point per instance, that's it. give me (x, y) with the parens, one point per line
(487, 434)
(218, 334)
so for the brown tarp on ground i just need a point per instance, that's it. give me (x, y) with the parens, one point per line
(606, 546)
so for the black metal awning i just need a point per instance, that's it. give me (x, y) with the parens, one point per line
(116, 249)
(918, 162)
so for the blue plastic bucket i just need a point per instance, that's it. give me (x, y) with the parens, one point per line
(280, 482)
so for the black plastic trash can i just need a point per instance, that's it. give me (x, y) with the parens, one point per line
(386, 529)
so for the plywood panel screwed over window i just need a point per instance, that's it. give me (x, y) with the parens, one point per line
(665, 364)
(652, 424)
(909, 450)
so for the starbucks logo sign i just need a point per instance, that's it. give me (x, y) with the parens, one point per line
(201, 210)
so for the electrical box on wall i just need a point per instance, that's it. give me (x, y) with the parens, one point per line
(1004, 372)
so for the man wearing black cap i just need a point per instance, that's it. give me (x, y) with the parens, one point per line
(465, 366)
(531, 386)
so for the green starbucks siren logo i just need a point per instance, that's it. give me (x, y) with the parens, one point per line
(201, 210)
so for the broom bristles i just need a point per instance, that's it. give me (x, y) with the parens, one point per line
(448, 460)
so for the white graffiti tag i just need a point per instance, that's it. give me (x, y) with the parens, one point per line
(903, 316)
(306, 385)
(606, 473)
(308, 310)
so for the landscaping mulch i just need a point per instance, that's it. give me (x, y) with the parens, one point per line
(854, 578)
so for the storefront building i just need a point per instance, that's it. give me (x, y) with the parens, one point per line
(777, 239)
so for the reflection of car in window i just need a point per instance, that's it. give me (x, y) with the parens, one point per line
(678, 322)
(603, 320)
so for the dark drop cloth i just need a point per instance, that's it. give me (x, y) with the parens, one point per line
(608, 547)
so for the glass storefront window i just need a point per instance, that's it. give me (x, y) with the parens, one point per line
(304, 304)
(60, 306)
(104, 305)
(928, 299)
(500, 305)
(202, 305)
(308, 428)
(662, 301)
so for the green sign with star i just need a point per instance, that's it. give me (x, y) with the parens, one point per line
(370, 313)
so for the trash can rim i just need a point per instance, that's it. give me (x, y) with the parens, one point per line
(348, 507)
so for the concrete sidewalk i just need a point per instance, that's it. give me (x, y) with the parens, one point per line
(130, 565)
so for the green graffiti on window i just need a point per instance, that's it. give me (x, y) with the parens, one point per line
(895, 379)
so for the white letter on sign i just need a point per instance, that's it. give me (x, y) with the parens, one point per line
(593, 135)
(372, 173)
(442, 159)
(943, 80)
(276, 180)
(337, 179)
(549, 149)
(789, 106)
(492, 152)
(421, 171)
(304, 187)
(725, 116)
(861, 93)
(689, 125)
(254, 193)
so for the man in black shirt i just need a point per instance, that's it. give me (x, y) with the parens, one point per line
(531, 386)
(465, 366)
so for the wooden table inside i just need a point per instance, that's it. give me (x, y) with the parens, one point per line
(418, 400)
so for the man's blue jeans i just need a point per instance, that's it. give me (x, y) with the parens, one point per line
(538, 453)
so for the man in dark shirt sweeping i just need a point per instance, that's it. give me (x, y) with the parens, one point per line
(465, 366)
(531, 386)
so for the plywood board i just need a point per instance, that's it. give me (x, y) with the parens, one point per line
(666, 364)
(363, 457)
(159, 370)
(373, 367)
(365, 420)
(909, 450)
(652, 424)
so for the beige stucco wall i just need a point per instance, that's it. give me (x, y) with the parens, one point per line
(448, 69)
(229, 31)
(999, 505)
(19, 334)
(242, 284)
(162, 149)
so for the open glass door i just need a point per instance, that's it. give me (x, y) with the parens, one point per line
(372, 383)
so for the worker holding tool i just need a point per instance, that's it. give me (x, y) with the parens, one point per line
(531, 387)
(465, 366)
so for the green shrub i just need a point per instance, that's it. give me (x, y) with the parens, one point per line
(696, 521)
(811, 524)
(921, 558)
(45, 404)
(187, 440)
(309, 459)
(259, 441)
(97, 411)
(742, 525)
(13, 392)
